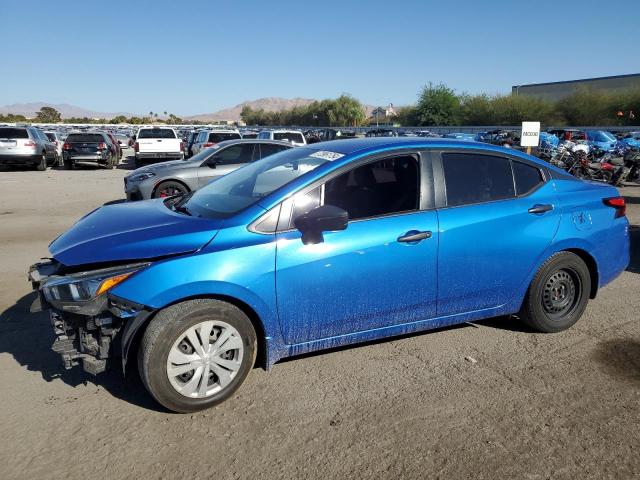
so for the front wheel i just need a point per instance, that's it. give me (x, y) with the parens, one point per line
(558, 294)
(196, 354)
(169, 189)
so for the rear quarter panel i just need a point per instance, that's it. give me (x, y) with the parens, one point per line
(588, 224)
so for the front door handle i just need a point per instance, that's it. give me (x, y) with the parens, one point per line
(414, 236)
(541, 208)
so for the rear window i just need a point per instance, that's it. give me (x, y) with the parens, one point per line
(85, 138)
(156, 133)
(288, 136)
(222, 136)
(51, 136)
(13, 133)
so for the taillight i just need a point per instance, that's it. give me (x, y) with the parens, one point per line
(618, 203)
(29, 143)
(102, 146)
(136, 147)
(208, 144)
(181, 147)
(66, 146)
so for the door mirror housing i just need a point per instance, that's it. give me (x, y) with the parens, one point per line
(325, 218)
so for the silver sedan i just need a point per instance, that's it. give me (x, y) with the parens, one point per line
(182, 176)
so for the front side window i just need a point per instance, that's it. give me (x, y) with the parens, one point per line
(383, 187)
(474, 178)
(235, 154)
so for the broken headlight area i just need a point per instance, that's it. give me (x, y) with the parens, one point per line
(87, 320)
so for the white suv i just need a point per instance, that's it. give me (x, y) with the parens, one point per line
(294, 137)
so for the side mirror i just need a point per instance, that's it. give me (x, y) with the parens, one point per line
(325, 218)
(212, 162)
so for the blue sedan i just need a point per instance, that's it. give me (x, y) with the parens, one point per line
(322, 246)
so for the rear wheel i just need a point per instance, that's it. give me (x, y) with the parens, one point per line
(169, 189)
(196, 354)
(42, 166)
(558, 294)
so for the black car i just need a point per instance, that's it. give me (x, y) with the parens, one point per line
(89, 147)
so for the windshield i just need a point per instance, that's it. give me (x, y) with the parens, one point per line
(156, 133)
(218, 137)
(203, 154)
(598, 136)
(243, 187)
(288, 136)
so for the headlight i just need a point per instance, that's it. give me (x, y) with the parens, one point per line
(139, 177)
(78, 292)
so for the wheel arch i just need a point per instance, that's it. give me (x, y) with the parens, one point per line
(133, 331)
(588, 259)
(164, 180)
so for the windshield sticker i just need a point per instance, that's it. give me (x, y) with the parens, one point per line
(326, 155)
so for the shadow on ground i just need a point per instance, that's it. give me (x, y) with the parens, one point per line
(28, 338)
(620, 358)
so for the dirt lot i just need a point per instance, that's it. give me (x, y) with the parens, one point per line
(534, 406)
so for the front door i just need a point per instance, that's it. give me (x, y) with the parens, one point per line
(380, 271)
(225, 161)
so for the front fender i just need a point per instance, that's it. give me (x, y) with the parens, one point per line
(245, 274)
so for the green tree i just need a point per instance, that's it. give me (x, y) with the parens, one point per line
(438, 105)
(118, 119)
(48, 115)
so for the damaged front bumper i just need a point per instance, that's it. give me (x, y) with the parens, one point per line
(96, 334)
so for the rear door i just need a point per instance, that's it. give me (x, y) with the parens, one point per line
(497, 216)
(224, 161)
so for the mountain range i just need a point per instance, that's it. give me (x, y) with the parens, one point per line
(269, 104)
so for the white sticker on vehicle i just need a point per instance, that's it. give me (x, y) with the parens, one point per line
(326, 155)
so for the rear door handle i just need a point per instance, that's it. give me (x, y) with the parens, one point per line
(541, 208)
(414, 236)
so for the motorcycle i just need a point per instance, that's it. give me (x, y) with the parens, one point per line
(630, 169)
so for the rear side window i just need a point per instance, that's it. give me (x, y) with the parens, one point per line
(85, 138)
(8, 132)
(51, 136)
(472, 178)
(156, 133)
(221, 137)
(527, 178)
(267, 149)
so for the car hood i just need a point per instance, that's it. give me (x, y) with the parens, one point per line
(132, 231)
(165, 166)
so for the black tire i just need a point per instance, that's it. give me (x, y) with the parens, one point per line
(167, 327)
(42, 166)
(68, 164)
(137, 162)
(169, 188)
(558, 294)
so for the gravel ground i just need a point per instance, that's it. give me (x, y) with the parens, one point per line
(524, 405)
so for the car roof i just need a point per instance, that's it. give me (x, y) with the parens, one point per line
(372, 144)
(252, 140)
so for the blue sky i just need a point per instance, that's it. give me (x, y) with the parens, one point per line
(201, 56)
